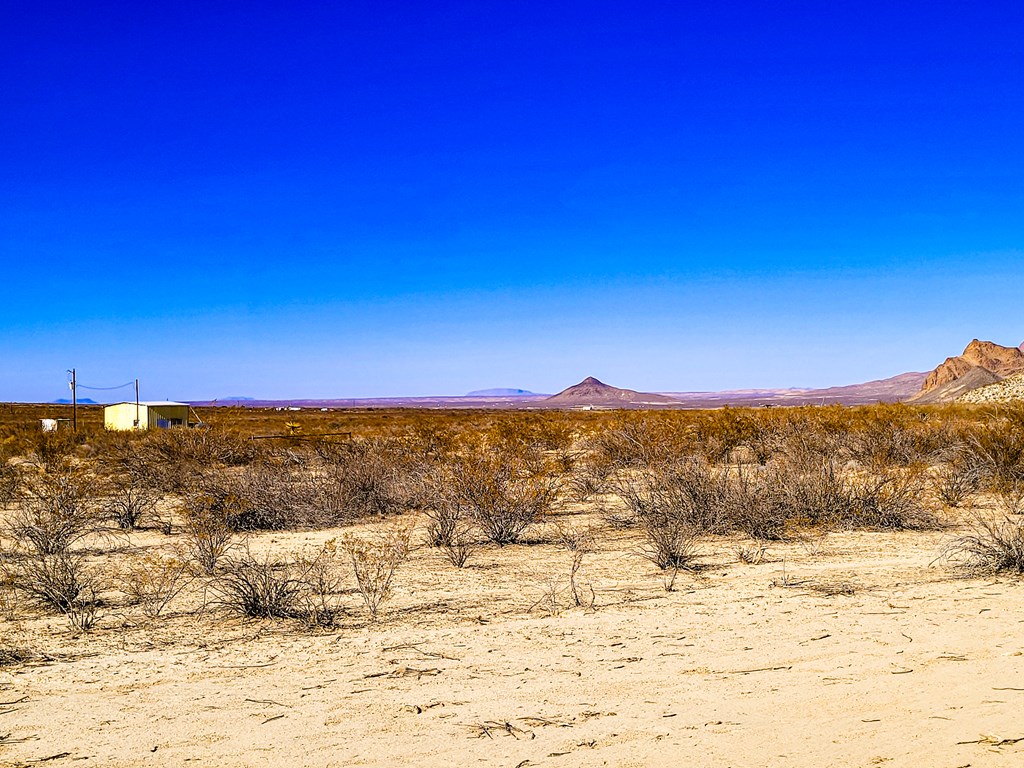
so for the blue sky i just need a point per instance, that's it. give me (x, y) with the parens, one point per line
(372, 199)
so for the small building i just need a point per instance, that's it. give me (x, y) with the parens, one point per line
(146, 415)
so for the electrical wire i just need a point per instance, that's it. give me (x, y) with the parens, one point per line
(105, 389)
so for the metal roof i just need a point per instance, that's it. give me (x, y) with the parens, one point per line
(148, 403)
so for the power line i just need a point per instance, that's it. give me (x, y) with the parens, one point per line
(106, 389)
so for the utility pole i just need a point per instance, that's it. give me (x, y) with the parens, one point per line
(74, 400)
(136, 403)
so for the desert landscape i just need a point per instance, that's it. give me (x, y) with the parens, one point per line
(577, 385)
(794, 586)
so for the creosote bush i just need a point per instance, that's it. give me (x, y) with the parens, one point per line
(208, 531)
(370, 478)
(375, 560)
(128, 483)
(681, 477)
(321, 583)
(958, 479)
(994, 546)
(579, 541)
(60, 581)
(891, 499)
(57, 509)
(676, 505)
(10, 482)
(259, 587)
(154, 580)
(500, 492)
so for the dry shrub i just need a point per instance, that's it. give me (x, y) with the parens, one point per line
(460, 547)
(208, 531)
(10, 482)
(449, 527)
(529, 432)
(128, 481)
(205, 446)
(10, 604)
(56, 448)
(306, 588)
(642, 439)
(83, 613)
(60, 581)
(444, 513)
(676, 505)
(459, 544)
(891, 499)
(129, 502)
(154, 581)
(880, 442)
(994, 546)
(275, 495)
(579, 541)
(590, 476)
(998, 447)
(128, 484)
(720, 432)
(752, 555)
(259, 587)
(268, 497)
(1010, 494)
(56, 509)
(366, 478)
(375, 560)
(811, 491)
(321, 583)
(177, 458)
(817, 493)
(501, 492)
(958, 479)
(755, 503)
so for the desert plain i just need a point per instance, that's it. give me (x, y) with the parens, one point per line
(822, 646)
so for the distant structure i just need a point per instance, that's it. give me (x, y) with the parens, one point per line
(146, 415)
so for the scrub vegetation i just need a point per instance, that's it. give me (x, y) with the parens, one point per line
(681, 484)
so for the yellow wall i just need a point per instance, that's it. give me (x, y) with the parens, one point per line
(122, 417)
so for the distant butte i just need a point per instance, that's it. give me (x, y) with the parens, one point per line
(593, 392)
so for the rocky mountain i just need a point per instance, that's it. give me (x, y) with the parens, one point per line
(981, 364)
(592, 392)
(974, 377)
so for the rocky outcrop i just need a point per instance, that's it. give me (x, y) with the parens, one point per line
(995, 358)
(975, 376)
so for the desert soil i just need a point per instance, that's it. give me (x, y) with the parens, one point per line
(853, 650)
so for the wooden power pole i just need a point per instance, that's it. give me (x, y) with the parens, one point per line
(74, 400)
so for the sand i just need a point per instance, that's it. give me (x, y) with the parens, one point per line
(854, 650)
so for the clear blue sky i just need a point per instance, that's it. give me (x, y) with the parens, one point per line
(401, 198)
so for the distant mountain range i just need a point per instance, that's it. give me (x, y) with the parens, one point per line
(81, 401)
(500, 392)
(983, 364)
(892, 389)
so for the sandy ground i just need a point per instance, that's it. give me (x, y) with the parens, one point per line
(851, 651)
